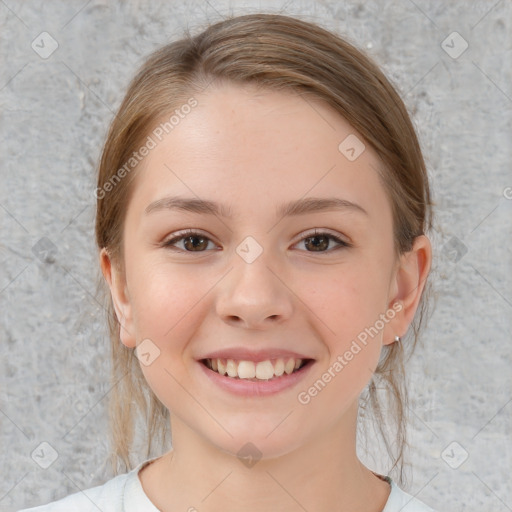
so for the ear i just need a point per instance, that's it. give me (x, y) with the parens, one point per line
(407, 287)
(117, 283)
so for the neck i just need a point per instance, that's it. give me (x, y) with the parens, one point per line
(324, 474)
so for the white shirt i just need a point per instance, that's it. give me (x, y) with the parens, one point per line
(124, 493)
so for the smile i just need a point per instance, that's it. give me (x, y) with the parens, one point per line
(256, 371)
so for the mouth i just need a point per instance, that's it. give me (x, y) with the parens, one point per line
(256, 371)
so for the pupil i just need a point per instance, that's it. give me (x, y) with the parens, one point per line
(317, 244)
(195, 238)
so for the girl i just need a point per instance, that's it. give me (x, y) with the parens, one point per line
(261, 218)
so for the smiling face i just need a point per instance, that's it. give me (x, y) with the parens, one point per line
(251, 281)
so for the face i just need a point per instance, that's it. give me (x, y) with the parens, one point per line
(295, 268)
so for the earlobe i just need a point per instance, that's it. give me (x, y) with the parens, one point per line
(408, 285)
(117, 285)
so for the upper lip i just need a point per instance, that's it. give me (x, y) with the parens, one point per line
(244, 354)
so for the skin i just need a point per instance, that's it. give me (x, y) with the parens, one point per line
(253, 151)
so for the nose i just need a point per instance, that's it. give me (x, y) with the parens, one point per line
(254, 296)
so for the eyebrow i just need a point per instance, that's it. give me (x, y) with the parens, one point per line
(292, 208)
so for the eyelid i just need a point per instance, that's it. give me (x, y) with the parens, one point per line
(336, 237)
(179, 235)
(188, 232)
(343, 239)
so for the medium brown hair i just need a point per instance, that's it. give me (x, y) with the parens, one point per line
(279, 53)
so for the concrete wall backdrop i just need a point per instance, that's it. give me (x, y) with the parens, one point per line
(452, 62)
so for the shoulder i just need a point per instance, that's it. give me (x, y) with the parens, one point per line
(400, 501)
(107, 498)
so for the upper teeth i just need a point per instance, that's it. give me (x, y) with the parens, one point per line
(263, 370)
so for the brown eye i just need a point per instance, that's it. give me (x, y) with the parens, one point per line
(192, 242)
(317, 243)
(320, 242)
(195, 242)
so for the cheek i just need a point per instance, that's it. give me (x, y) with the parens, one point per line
(164, 298)
(350, 306)
(353, 298)
(166, 307)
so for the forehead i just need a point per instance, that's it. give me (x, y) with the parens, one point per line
(251, 147)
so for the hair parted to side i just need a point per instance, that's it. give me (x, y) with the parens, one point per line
(279, 53)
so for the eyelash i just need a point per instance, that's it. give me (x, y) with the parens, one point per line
(191, 233)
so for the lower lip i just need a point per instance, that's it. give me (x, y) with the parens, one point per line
(244, 387)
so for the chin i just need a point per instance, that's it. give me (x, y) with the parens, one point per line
(252, 442)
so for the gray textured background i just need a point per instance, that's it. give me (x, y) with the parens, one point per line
(54, 113)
